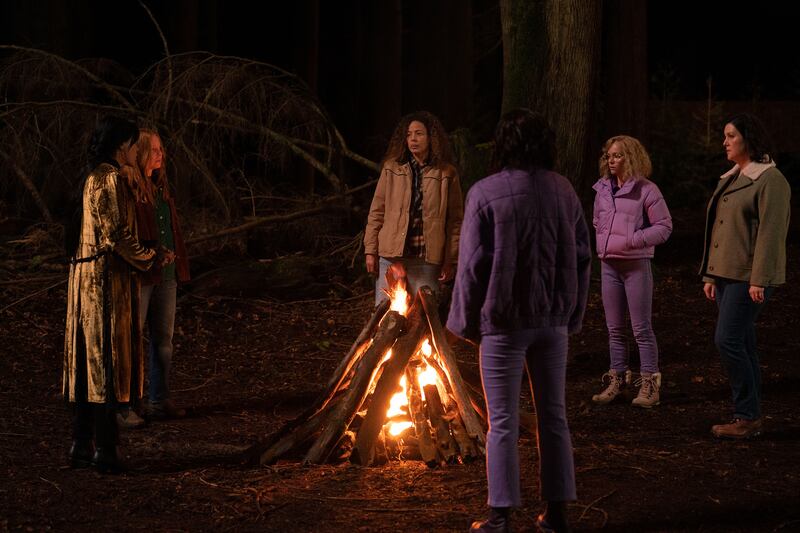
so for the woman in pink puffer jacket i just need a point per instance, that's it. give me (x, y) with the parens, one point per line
(630, 219)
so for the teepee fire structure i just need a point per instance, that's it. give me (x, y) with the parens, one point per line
(397, 393)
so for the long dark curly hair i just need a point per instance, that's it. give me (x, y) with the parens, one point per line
(440, 152)
(523, 139)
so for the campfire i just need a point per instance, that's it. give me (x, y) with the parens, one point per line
(397, 394)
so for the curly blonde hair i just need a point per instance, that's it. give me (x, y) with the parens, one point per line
(440, 151)
(146, 185)
(637, 162)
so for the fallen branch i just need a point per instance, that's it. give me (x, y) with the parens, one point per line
(26, 181)
(12, 304)
(264, 220)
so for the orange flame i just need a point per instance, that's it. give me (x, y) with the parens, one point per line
(398, 406)
(399, 297)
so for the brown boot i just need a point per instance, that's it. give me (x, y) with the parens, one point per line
(738, 429)
(615, 382)
(649, 385)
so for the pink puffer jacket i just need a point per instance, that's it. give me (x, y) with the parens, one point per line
(632, 222)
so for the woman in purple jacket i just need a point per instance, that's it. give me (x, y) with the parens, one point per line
(521, 287)
(630, 219)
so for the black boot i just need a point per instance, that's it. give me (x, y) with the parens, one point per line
(497, 522)
(80, 453)
(105, 459)
(553, 519)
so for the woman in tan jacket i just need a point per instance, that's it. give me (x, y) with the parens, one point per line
(102, 348)
(415, 217)
(744, 261)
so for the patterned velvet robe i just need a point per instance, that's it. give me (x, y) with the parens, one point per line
(103, 344)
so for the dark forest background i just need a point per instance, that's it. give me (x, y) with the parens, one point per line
(289, 106)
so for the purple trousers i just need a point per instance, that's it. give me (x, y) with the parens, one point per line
(627, 287)
(503, 359)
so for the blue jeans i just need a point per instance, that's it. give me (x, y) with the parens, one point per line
(503, 359)
(735, 338)
(157, 312)
(418, 272)
(627, 287)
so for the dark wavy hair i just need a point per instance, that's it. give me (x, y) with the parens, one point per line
(756, 139)
(440, 151)
(523, 139)
(110, 134)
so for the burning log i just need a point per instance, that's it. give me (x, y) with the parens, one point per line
(291, 437)
(406, 346)
(360, 344)
(445, 444)
(463, 401)
(427, 449)
(342, 414)
(467, 449)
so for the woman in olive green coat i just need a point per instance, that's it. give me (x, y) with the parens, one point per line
(744, 261)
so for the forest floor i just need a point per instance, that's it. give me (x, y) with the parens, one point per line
(245, 365)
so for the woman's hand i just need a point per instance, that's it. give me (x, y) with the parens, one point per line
(448, 271)
(165, 256)
(757, 294)
(710, 290)
(372, 264)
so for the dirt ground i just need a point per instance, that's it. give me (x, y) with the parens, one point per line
(244, 365)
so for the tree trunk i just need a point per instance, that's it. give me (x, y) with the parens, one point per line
(551, 56)
(625, 69)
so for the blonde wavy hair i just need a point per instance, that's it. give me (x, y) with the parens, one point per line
(637, 162)
(146, 188)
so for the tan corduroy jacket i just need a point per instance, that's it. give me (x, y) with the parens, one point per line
(746, 226)
(442, 212)
(103, 343)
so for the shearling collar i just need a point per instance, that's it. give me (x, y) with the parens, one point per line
(753, 170)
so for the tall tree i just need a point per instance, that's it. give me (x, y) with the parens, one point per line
(551, 56)
(624, 68)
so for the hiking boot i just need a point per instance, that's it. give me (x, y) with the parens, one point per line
(616, 382)
(649, 385)
(738, 429)
(129, 419)
(165, 410)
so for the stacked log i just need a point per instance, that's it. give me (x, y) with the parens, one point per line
(445, 427)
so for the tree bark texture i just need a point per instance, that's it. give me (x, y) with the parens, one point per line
(624, 66)
(551, 56)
